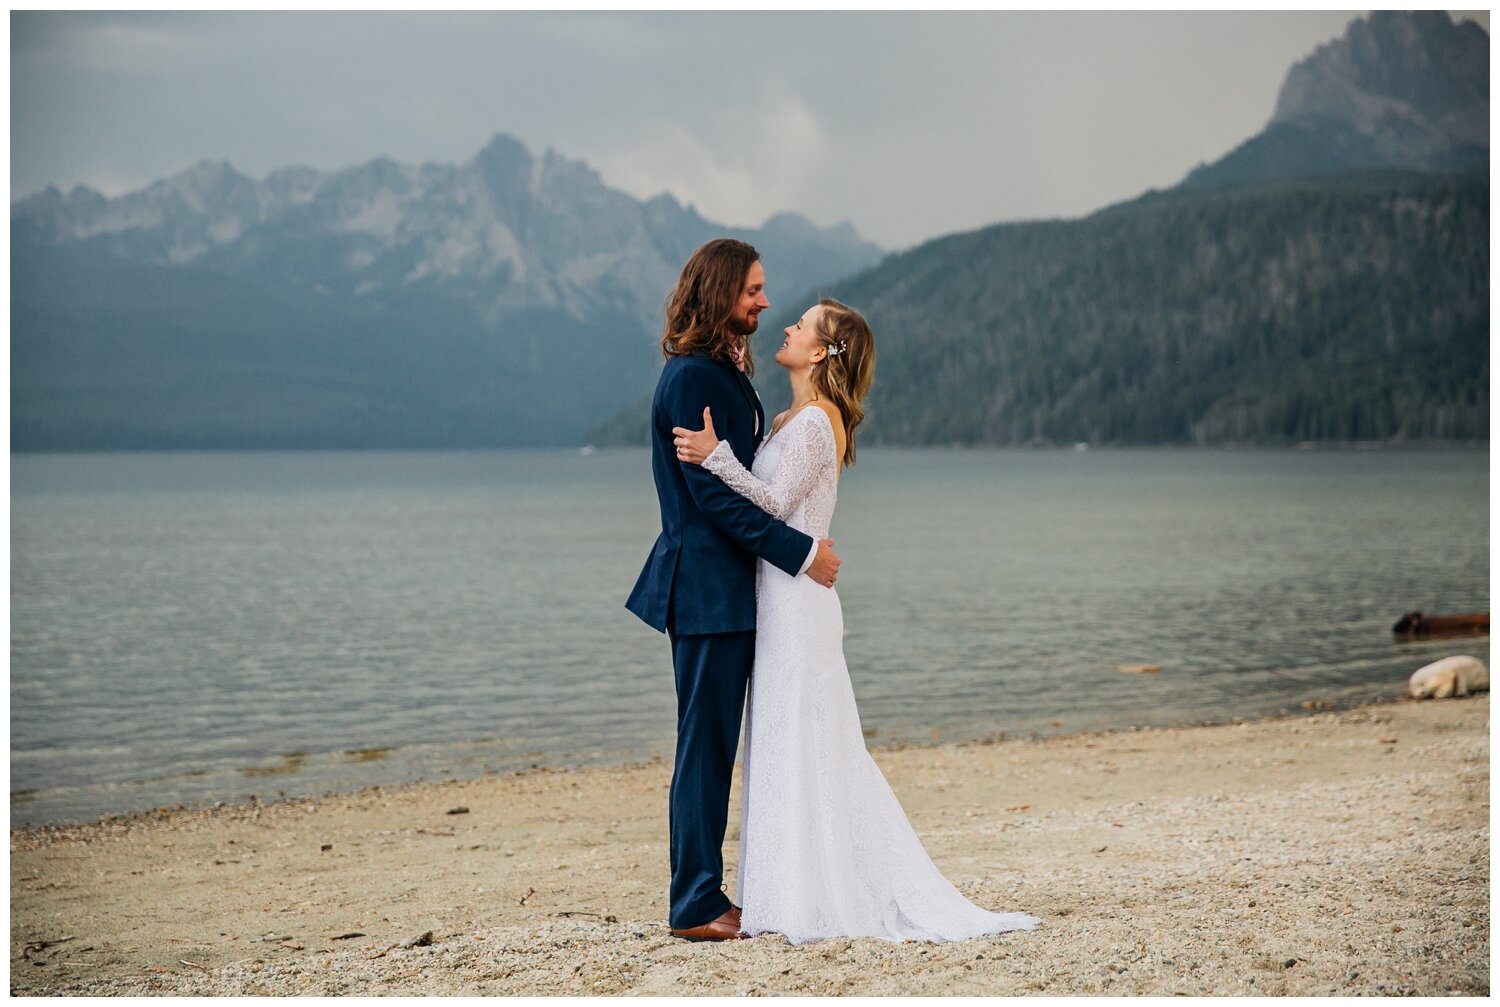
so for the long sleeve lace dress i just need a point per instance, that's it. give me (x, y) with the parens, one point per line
(825, 848)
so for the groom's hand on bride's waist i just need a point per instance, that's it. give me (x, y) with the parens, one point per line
(825, 565)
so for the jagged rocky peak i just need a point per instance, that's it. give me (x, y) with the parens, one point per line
(1403, 90)
(795, 227)
(369, 181)
(205, 183)
(663, 209)
(560, 166)
(505, 228)
(505, 164)
(504, 147)
(1414, 73)
(294, 185)
(205, 173)
(789, 225)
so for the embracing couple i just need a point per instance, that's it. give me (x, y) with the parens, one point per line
(741, 580)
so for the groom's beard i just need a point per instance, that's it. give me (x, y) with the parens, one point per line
(743, 326)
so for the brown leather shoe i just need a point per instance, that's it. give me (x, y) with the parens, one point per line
(725, 928)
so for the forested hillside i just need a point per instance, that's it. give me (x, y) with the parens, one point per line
(1340, 308)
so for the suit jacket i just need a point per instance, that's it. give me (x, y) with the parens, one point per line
(700, 575)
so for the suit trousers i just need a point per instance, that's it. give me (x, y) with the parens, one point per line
(713, 674)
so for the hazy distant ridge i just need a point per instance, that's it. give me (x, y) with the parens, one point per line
(511, 299)
(505, 230)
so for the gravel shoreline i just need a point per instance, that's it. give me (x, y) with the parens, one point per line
(1338, 853)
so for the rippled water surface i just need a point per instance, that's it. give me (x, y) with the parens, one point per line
(207, 626)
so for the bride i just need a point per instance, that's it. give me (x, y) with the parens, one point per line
(825, 848)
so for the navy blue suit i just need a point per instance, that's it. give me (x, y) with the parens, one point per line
(698, 585)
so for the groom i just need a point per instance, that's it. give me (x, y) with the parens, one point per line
(699, 581)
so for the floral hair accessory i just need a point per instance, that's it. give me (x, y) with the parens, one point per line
(834, 351)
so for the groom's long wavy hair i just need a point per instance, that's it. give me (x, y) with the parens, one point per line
(698, 312)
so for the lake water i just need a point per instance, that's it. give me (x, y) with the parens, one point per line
(201, 627)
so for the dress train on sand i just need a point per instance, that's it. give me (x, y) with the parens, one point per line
(825, 847)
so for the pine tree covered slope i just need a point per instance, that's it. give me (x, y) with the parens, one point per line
(1290, 313)
(1339, 309)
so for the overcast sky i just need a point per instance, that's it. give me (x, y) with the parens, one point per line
(907, 125)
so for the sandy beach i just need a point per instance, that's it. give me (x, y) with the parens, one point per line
(1333, 853)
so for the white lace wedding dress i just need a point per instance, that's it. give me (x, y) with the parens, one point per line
(825, 848)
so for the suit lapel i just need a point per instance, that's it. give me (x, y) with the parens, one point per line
(753, 397)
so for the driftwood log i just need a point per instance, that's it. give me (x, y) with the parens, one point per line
(1415, 625)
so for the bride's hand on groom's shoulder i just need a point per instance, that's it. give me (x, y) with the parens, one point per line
(695, 445)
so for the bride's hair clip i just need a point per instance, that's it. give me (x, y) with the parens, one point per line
(834, 351)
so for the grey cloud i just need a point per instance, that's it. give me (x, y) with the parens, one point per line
(906, 125)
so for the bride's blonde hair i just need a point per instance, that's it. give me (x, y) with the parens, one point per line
(845, 375)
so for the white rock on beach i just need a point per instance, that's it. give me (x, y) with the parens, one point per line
(1452, 676)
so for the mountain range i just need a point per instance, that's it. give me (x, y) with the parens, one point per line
(1325, 280)
(509, 300)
